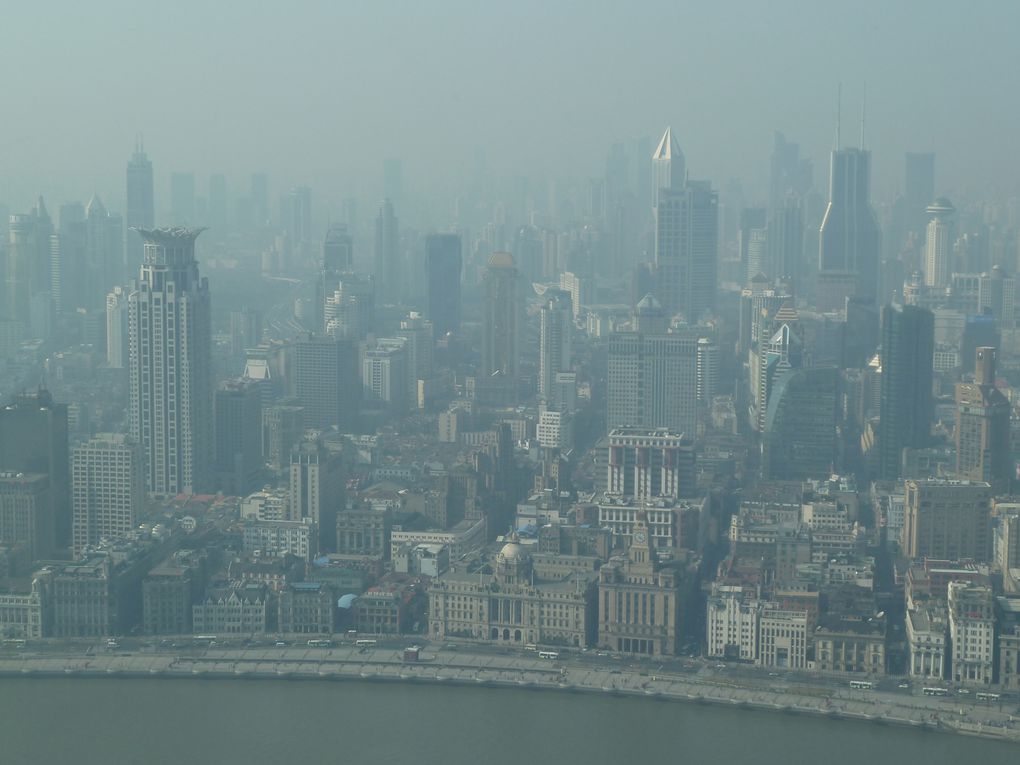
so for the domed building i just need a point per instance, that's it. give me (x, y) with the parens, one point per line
(512, 605)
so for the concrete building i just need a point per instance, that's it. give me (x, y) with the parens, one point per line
(81, 598)
(926, 641)
(972, 633)
(501, 331)
(938, 245)
(733, 617)
(466, 536)
(947, 520)
(317, 487)
(25, 613)
(280, 537)
(385, 375)
(232, 611)
(983, 451)
(117, 349)
(140, 209)
(639, 600)
(556, 323)
(26, 513)
(652, 381)
(783, 638)
(167, 594)
(170, 365)
(671, 523)
(108, 488)
(364, 531)
(283, 427)
(324, 379)
(1008, 642)
(421, 560)
(650, 463)
(442, 283)
(307, 608)
(512, 606)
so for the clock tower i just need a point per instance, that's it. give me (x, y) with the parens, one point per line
(640, 551)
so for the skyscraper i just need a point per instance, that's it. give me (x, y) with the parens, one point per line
(848, 252)
(983, 450)
(338, 250)
(442, 282)
(556, 320)
(33, 439)
(108, 488)
(140, 205)
(317, 487)
(104, 248)
(938, 246)
(238, 407)
(686, 239)
(117, 353)
(669, 168)
(324, 378)
(947, 520)
(170, 364)
(799, 432)
(501, 328)
(296, 209)
(388, 277)
(906, 405)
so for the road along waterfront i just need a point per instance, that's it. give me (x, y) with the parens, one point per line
(570, 673)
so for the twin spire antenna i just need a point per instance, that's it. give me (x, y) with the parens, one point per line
(839, 113)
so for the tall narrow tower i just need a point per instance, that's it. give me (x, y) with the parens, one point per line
(388, 281)
(556, 325)
(140, 209)
(669, 169)
(170, 364)
(501, 327)
(938, 246)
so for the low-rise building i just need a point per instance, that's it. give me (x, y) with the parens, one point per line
(167, 600)
(1008, 613)
(421, 559)
(279, 538)
(733, 615)
(464, 537)
(972, 633)
(783, 638)
(232, 611)
(307, 608)
(926, 641)
(81, 598)
(25, 610)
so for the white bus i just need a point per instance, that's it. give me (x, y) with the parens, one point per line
(320, 643)
(530, 647)
(548, 655)
(364, 643)
(862, 685)
(983, 696)
(936, 691)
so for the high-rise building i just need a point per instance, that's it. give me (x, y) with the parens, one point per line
(317, 489)
(28, 271)
(669, 168)
(650, 463)
(384, 373)
(556, 324)
(282, 428)
(296, 212)
(501, 328)
(140, 207)
(799, 431)
(26, 513)
(919, 179)
(906, 405)
(170, 364)
(325, 381)
(938, 246)
(848, 252)
(349, 308)
(983, 450)
(108, 488)
(338, 250)
(117, 353)
(104, 252)
(686, 243)
(947, 520)
(708, 369)
(790, 173)
(238, 408)
(652, 381)
(418, 332)
(442, 283)
(33, 439)
(388, 277)
(784, 242)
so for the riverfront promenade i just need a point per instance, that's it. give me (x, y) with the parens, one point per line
(702, 683)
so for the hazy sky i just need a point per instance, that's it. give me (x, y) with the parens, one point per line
(321, 92)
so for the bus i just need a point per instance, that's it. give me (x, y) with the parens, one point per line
(936, 691)
(548, 655)
(530, 647)
(364, 643)
(862, 685)
(983, 696)
(320, 643)
(14, 643)
(204, 638)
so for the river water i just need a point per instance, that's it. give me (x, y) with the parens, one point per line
(74, 721)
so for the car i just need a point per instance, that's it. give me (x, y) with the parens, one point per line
(281, 643)
(720, 666)
(963, 691)
(903, 685)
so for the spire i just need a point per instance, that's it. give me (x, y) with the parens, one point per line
(864, 104)
(668, 147)
(95, 204)
(839, 109)
(41, 210)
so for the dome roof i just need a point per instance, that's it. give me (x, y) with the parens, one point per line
(511, 551)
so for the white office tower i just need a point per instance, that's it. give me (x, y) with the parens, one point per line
(170, 364)
(938, 248)
(107, 488)
(708, 369)
(556, 324)
(669, 168)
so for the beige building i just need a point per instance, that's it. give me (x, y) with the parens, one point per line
(783, 638)
(972, 632)
(639, 601)
(948, 520)
(107, 488)
(926, 640)
(512, 606)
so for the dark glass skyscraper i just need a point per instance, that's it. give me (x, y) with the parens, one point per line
(906, 407)
(388, 281)
(442, 277)
(848, 252)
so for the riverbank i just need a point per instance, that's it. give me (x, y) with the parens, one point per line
(503, 671)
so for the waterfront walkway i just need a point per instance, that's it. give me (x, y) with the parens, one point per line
(785, 694)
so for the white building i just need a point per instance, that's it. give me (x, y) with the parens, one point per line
(733, 623)
(783, 638)
(107, 488)
(170, 364)
(556, 324)
(926, 640)
(278, 538)
(269, 505)
(466, 536)
(665, 518)
(117, 353)
(384, 373)
(555, 430)
(971, 632)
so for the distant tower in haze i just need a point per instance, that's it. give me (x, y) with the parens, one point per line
(501, 327)
(170, 364)
(140, 207)
(938, 247)
(982, 427)
(338, 250)
(104, 248)
(556, 325)
(848, 253)
(442, 282)
(388, 281)
(182, 199)
(669, 168)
